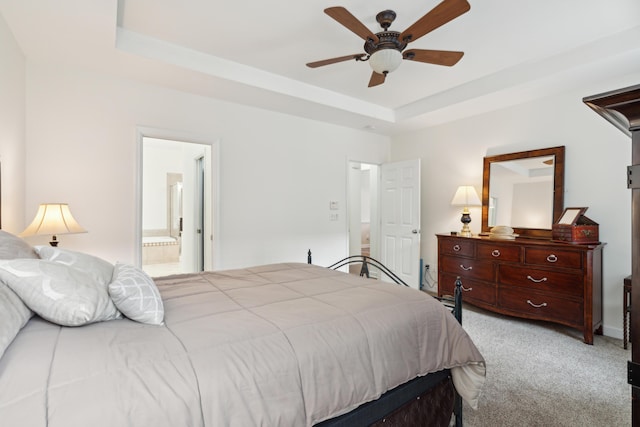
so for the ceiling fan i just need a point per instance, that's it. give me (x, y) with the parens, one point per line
(385, 50)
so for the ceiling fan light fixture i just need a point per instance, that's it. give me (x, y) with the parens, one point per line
(385, 61)
(384, 50)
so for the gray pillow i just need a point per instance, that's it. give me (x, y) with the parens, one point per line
(13, 316)
(58, 293)
(96, 267)
(136, 295)
(13, 247)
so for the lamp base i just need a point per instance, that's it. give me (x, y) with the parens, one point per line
(465, 232)
(54, 241)
(465, 220)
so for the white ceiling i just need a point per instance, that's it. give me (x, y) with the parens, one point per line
(255, 52)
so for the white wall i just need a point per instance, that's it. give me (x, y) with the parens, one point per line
(277, 172)
(597, 155)
(12, 133)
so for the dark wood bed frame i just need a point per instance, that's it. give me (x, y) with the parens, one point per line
(431, 397)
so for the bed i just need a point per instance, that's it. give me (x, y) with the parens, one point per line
(289, 344)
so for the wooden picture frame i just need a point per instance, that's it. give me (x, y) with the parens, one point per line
(570, 216)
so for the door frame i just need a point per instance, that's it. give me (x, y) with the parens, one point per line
(200, 212)
(213, 183)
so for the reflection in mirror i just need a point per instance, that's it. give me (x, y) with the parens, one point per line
(524, 190)
(521, 193)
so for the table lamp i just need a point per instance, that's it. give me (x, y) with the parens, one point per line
(53, 219)
(465, 196)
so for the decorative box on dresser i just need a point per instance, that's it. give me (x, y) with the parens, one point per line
(529, 278)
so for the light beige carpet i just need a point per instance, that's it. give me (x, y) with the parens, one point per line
(541, 374)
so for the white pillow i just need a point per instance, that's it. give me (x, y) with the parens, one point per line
(13, 316)
(136, 295)
(96, 267)
(12, 247)
(58, 293)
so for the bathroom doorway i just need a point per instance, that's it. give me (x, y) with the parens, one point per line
(176, 229)
(363, 208)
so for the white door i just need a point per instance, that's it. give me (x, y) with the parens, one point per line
(400, 219)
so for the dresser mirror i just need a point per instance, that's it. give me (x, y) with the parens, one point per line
(524, 190)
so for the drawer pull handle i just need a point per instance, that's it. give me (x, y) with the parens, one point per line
(544, 279)
(456, 248)
(465, 289)
(544, 304)
(495, 253)
(552, 258)
(466, 268)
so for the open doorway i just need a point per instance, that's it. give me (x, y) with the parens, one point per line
(363, 208)
(384, 215)
(176, 209)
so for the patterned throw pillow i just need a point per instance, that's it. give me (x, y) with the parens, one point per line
(13, 247)
(136, 295)
(99, 269)
(58, 293)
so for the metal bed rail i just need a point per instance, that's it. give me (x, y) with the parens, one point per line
(454, 302)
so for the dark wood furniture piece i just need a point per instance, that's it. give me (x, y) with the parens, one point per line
(626, 310)
(622, 109)
(528, 278)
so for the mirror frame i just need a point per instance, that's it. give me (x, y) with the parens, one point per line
(558, 187)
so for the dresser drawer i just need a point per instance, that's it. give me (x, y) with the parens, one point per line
(498, 252)
(543, 280)
(541, 306)
(553, 257)
(467, 267)
(472, 291)
(457, 246)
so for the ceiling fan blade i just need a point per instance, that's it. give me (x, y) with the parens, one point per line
(376, 79)
(334, 60)
(352, 23)
(436, 17)
(438, 57)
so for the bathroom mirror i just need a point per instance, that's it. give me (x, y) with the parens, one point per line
(524, 190)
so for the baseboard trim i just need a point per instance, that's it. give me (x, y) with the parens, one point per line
(612, 332)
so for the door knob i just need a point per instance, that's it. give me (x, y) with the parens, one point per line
(414, 231)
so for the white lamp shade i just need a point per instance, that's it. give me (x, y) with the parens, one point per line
(52, 219)
(466, 196)
(385, 60)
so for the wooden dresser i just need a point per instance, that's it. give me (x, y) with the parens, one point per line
(529, 278)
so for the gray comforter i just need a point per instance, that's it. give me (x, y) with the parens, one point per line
(276, 345)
